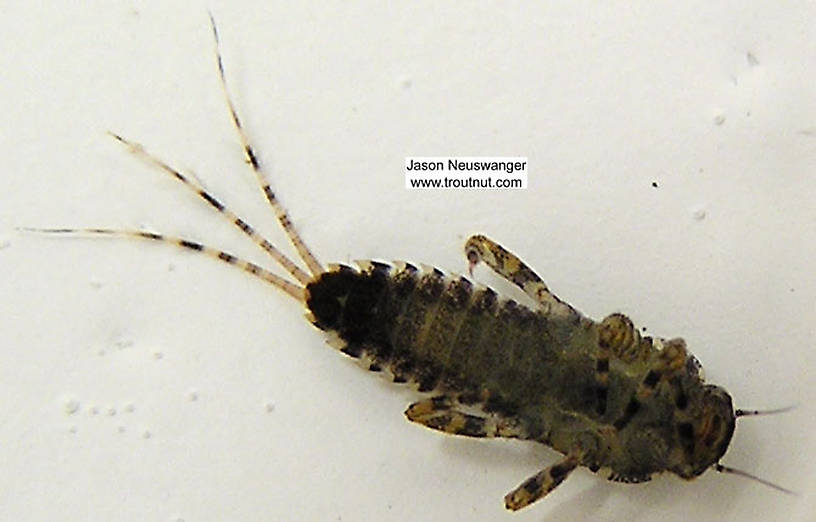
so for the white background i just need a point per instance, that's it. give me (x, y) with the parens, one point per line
(203, 395)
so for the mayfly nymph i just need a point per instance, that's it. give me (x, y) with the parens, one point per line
(599, 393)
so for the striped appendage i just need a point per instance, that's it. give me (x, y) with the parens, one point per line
(252, 159)
(214, 202)
(446, 413)
(541, 483)
(481, 249)
(295, 290)
(194, 246)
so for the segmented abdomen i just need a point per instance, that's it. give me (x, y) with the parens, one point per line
(443, 333)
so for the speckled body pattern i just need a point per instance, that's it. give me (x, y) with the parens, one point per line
(597, 392)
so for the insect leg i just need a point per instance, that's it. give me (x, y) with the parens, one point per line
(618, 338)
(664, 364)
(439, 413)
(541, 483)
(482, 249)
(242, 225)
(252, 158)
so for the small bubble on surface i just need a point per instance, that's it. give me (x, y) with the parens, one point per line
(123, 343)
(120, 429)
(72, 429)
(699, 214)
(146, 434)
(192, 395)
(405, 83)
(751, 59)
(111, 411)
(158, 355)
(71, 406)
(96, 283)
(93, 410)
(4, 242)
(129, 407)
(269, 407)
(719, 119)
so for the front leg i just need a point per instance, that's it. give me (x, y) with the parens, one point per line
(482, 249)
(664, 365)
(541, 483)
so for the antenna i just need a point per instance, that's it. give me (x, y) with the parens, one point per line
(725, 469)
(745, 413)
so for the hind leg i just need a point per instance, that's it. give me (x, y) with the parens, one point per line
(440, 413)
(482, 249)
